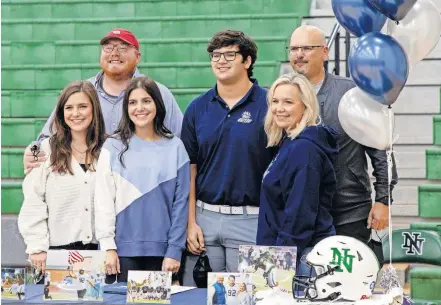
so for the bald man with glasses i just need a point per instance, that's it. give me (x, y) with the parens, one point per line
(353, 211)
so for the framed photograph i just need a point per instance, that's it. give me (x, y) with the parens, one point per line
(230, 289)
(271, 266)
(13, 285)
(74, 276)
(149, 287)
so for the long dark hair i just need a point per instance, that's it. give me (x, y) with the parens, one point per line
(126, 128)
(61, 139)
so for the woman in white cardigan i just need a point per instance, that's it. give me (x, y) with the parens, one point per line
(57, 212)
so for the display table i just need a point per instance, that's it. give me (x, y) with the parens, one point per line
(34, 295)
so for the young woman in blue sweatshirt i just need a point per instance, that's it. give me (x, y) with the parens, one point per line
(142, 188)
(298, 185)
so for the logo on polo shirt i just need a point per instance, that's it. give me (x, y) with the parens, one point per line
(246, 118)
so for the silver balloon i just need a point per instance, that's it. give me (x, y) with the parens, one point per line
(365, 120)
(419, 32)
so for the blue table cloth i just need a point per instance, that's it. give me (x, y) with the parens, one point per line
(34, 295)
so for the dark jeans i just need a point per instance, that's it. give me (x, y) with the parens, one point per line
(143, 263)
(356, 230)
(148, 263)
(303, 269)
(72, 246)
(360, 231)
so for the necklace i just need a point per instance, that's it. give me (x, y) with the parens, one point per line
(82, 153)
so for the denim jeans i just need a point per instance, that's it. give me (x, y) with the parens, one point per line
(303, 269)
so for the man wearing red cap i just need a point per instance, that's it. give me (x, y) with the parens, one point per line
(119, 59)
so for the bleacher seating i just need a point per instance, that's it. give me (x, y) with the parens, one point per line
(419, 246)
(414, 246)
(48, 43)
(437, 130)
(425, 283)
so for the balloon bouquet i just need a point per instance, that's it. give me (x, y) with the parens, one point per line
(379, 65)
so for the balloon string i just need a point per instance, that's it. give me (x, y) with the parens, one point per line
(392, 138)
(389, 178)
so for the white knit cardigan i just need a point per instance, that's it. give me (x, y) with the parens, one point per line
(57, 208)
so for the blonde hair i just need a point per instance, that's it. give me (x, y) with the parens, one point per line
(309, 99)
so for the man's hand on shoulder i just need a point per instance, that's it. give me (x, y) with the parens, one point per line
(30, 161)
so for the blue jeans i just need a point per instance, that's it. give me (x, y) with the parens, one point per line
(302, 268)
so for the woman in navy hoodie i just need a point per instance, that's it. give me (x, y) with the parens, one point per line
(298, 186)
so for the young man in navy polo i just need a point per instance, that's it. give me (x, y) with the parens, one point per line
(224, 137)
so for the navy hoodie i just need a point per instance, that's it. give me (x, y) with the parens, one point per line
(297, 191)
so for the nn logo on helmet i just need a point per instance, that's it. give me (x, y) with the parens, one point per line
(341, 260)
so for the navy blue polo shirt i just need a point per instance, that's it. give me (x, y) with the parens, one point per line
(228, 146)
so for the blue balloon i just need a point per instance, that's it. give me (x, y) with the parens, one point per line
(393, 9)
(358, 16)
(379, 66)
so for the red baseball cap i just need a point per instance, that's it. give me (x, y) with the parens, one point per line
(122, 34)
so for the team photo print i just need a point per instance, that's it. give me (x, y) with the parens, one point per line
(149, 287)
(13, 283)
(230, 289)
(271, 266)
(74, 276)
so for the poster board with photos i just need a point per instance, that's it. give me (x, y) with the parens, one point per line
(271, 266)
(13, 283)
(74, 276)
(153, 287)
(230, 289)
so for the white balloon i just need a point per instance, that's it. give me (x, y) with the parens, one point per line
(365, 120)
(419, 32)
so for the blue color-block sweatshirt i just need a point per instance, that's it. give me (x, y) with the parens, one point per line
(297, 190)
(142, 209)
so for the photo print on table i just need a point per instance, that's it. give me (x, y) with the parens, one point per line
(149, 287)
(74, 276)
(230, 289)
(271, 266)
(13, 285)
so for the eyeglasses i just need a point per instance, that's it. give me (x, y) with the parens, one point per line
(229, 56)
(122, 48)
(304, 49)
